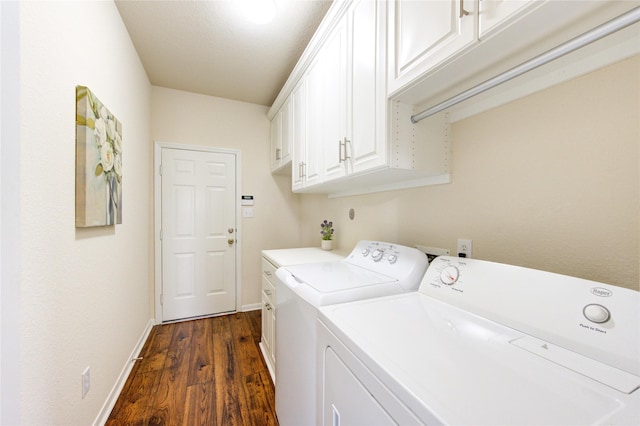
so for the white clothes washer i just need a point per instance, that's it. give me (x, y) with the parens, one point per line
(483, 343)
(372, 269)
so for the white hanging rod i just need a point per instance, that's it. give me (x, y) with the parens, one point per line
(595, 34)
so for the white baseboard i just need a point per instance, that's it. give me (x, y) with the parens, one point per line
(251, 307)
(266, 361)
(108, 405)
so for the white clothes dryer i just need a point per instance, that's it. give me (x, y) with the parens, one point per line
(372, 269)
(482, 343)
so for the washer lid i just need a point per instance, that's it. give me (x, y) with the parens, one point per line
(329, 277)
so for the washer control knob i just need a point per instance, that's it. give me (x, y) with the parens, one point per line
(596, 313)
(377, 255)
(392, 258)
(365, 252)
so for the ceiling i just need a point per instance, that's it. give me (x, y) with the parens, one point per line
(209, 47)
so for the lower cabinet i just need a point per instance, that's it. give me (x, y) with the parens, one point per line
(268, 340)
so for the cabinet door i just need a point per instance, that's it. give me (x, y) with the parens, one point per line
(335, 92)
(315, 121)
(368, 95)
(267, 326)
(298, 140)
(286, 131)
(272, 331)
(276, 140)
(281, 135)
(496, 13)
(424, 34)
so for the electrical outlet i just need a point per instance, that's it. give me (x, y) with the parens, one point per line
(86, 381)
(465, 248)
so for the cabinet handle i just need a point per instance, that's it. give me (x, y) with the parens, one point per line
(278, 149)
(267, 292)
(342, 149)
(267, 273)
(301, 171)
(268, 306)
(463, 12)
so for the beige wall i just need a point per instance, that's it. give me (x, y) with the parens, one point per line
(549, 181)
(192, 119)
(83, 292)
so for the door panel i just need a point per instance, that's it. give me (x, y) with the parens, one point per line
(198, 211)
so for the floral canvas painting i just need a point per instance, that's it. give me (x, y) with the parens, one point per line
(98, 162)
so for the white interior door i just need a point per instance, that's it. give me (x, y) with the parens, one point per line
(198, 191)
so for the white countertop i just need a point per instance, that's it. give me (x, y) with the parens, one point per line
(298, 256)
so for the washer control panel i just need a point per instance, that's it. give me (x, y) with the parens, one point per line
(406, 264)
(570, 312)
(378, 251)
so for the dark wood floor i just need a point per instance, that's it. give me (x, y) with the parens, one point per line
(202, 372)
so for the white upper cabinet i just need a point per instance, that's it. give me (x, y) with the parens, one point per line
(281, 133)
(342, 80)
(334, 54)
(424, 34)
(299, 139)
(493, 13)
(276, 141)
(355, 95)
(307, 126)
(367, 146)
(373, 64)
(437, 48)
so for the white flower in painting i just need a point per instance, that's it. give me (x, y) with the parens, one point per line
(117, 143)
(104, 113)
(100, 132)
(107, 157)
(111, 128)
(117, 165)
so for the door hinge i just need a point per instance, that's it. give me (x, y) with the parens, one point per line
(161, 235)
(160, 170)
(161, 299)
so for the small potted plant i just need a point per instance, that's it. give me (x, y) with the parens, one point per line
(327, 234)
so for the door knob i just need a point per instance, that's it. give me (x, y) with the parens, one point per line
(230, 241)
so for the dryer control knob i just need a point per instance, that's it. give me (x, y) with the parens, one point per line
(365, 252)
(596, 313)
(449, 275)
(377, 255)
(392, 258)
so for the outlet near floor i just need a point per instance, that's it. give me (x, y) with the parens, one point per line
(86, 381)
